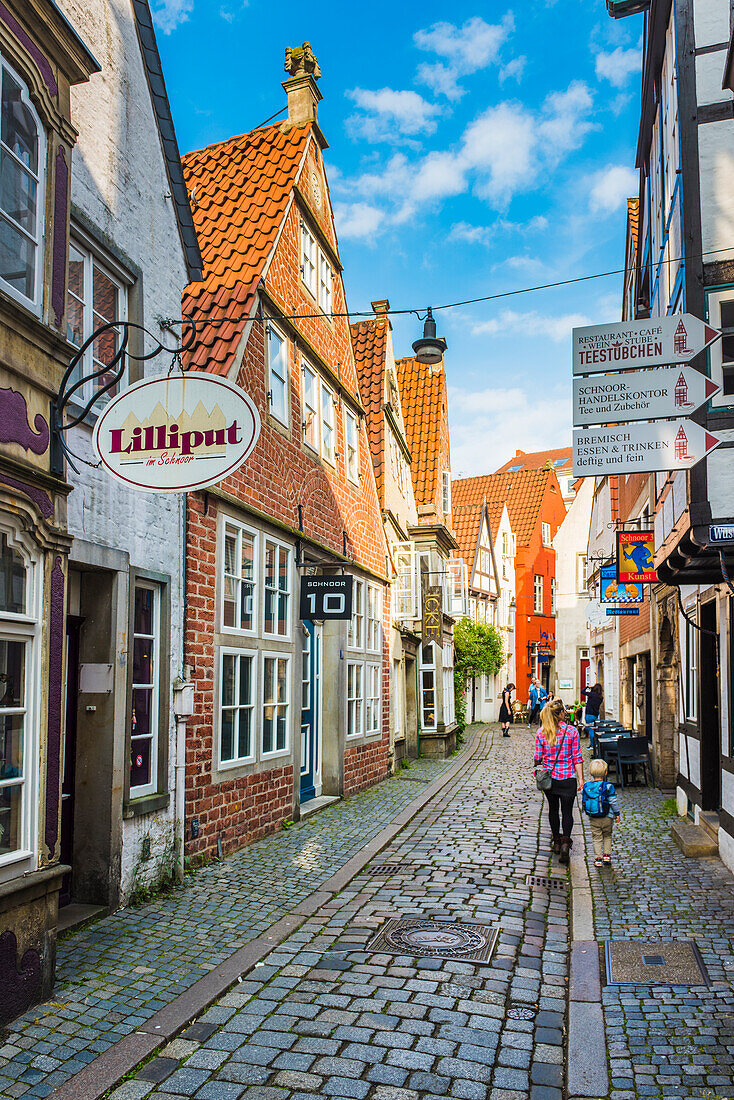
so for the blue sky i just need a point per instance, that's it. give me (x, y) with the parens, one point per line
(473, 149)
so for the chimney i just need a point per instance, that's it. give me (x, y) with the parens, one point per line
(381, 307)
(303, 95)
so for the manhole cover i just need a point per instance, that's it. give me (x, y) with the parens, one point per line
(520, 1012)
(637, 962)
(382, 870)
(436, 939)
(547, 882)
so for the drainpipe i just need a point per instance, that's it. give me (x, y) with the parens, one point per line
(183, 708)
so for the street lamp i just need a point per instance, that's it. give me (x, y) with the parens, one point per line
(430, 348)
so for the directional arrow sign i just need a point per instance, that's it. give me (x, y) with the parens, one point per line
(640, 448)
(639, 395)
(629, 345)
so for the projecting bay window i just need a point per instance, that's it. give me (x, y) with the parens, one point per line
(18, 701)
(277, 589)
(538, 594)
(277, 354)
(22, 158)
(95, 297)
(239, 587)
(428, 686)
(275, 704)
(145, 712)
(237, 679)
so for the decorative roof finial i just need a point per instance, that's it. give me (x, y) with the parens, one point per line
(301, 61)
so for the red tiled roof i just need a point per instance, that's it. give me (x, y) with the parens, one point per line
(522, 492)
(423, 400)
(369, 340)
(537, 460)
(240, 190)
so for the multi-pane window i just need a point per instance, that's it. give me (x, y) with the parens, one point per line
(448, 684)
(326, 281)
(275, 707)
(239, 592)
(546, 530)
(428, 686)
(582, 573)
(237, 705)
(484, 561)
(372, 702)
(553, 595)
(446, 494)
(144, 721)
(277, 588)
(310, 387)
(355, 699)
(22, 153)
(351, 442)
(355, 631)
(94, 298)
(18, 693)
(691, 699)
(538, 593)
(720, 305)
(328, 441)
(396, 697)
(277, 374)
(374, 617)
(309, 260)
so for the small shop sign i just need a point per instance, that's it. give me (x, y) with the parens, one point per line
(613, 592)
(636, 557)
(326, 598)
(176, 433)
(432, 614)
(623, 611)
(721, 532)
(629, 345)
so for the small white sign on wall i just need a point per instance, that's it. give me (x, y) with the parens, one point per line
(95, 679)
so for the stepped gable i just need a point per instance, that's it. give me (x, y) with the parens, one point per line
(369, 341)
(522, 491)
(423, 401)
(239, 191)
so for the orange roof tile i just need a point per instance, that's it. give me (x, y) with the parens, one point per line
(369, 340)
(538, 460)
(423, 401)
(240, 190)
(522, 492)
(633, 218)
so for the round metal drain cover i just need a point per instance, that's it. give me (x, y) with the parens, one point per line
(520, 1012)
(436, 939)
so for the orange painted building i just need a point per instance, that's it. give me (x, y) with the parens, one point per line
(536, 511)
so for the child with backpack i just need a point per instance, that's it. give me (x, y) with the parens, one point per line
(602, 808)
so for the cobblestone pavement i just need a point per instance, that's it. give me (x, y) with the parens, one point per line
(666, 1040)
(325, 1014)
(116, 973)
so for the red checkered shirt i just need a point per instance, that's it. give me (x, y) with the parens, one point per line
(568, 748)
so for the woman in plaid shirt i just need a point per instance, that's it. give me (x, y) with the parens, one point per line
(557, 748)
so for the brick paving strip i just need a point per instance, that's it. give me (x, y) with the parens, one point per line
(172, 957)
(324, 1013)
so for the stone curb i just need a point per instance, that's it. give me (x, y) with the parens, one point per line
(112, 1065)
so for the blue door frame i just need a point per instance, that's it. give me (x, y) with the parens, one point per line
(310, 691)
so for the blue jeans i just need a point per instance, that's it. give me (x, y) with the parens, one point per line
(590, 722)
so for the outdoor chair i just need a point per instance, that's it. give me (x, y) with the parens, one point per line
(630, 752)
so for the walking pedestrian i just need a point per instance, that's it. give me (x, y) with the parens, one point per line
(602, 808)
(506, 710)
(558, 751)
(537, 698)
(594, 700)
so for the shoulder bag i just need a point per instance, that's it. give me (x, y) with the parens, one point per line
(544, 776)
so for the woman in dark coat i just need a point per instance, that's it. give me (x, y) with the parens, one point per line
(506, 710)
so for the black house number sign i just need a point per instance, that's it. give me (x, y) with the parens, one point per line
(326, 597)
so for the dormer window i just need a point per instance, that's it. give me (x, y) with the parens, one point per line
(22, 155)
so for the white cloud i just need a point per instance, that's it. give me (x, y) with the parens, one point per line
(513, 70)
(390, 115)
(611, 186)
(489, 425)
(407, 186)
(618, 65)
(466, 49)
(500, 144)
(566, 119)
(168, 14)
(530, 324)
(471, 234)
(357, 220)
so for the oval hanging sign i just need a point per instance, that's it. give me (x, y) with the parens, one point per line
(176, 433)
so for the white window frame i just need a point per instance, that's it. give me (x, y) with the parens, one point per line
(356, 626)
(151, 787)
(714, 300)
(326, 284)
(447, 677)
(306, 368)
(538, 594)
(230, 651)
(425, 666)
(351, 453)
(240, 529)
(396, 696)
(327, 419)
(275, 655)
(554, 594)
(546, 533)
(407, 582)
(373, 619)
(309, 260)
(690, 702)
(36, 302)
(446, 494)
(25, 628)
(94, 257)
(268, 540)
(356, 700)
(372, 699)
(271, 327)
(582, 565)
(456, 587)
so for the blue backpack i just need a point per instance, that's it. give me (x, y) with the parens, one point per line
(596, 804)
